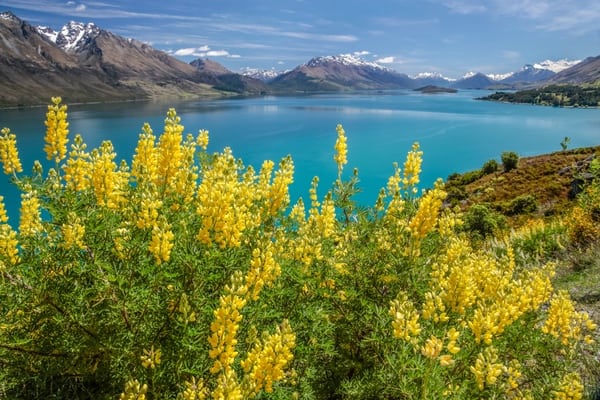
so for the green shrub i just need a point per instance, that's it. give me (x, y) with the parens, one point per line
(482, 221)
(524, 204)
(510, 160)
(489, 167)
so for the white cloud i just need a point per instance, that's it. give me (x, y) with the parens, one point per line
(510, 54)
(203, 51)
(80, 7)
(361, 53)
(386, 60)
(464, 6)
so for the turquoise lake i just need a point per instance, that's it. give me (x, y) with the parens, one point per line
(456, 132)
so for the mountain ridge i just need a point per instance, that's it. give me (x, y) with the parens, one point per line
(87, 63)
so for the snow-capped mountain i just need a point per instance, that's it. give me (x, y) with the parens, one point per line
(499, 77)
(556, 66)
(344, 59)
(265, 75)
(340, 72)
(72, 37)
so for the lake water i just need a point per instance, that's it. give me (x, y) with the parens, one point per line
(456, 132)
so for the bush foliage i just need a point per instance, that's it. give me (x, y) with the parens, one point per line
(185, 274)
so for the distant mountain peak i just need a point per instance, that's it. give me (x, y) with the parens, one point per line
(72, 36)
(7, 15)
(344, 59)
(264, 75)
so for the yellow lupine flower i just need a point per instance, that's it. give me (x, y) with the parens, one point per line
(108, 181)
(226, 324)
(432, 347)
(405, 318)
(341, 149)
(223, 203)
(151, 358)
(134, 391)
(73, 232)
(169, 149)
(267, 360)
(195, 390)
(147, 216)
(78, 168)
(9, 249)
(564, 323)
(202, 139)
(144, 167)
(263, 270)
(30, 222)
(161, 242)
(3, 216)
(486, 369)
(412, 167)
(9, 155)
(571, 388)
(56, 131)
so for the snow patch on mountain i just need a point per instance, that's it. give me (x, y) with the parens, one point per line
(344, 59)
(500, 77)
(556, 66)
(72, 36)
(264, 75)
(432, 75)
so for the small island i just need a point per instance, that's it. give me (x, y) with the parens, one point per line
(432, 89)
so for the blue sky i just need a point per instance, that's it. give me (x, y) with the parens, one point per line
(411, 36)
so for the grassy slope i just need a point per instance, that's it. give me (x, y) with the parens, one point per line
(539, 176)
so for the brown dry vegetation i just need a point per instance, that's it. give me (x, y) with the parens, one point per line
(539, 176)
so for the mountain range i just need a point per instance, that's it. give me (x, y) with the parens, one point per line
(85, 63)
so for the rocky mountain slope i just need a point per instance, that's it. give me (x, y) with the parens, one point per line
(587, 71)
(83, 63)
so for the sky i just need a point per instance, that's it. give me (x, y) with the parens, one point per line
(451, 37)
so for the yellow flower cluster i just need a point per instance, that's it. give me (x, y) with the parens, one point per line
(151, 358)
(426, 218)
(405, 319)
(267, 360)
(148, 212)
(570, 388)
(224, 328)
(108, 181)
(203, 139)
(30, 222)
(144, 167)
(263, 270)
(56, 131)
(9, 250)
(161, 243)
(9, 155)
(565, 323)
(78, 168)
(581, 227)
(486, 368)
(73, 232)
(224, 202)
(412, 168)
(483, 291)
(134, 391)
(432, 347)
(341, 149)
(194, 390)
